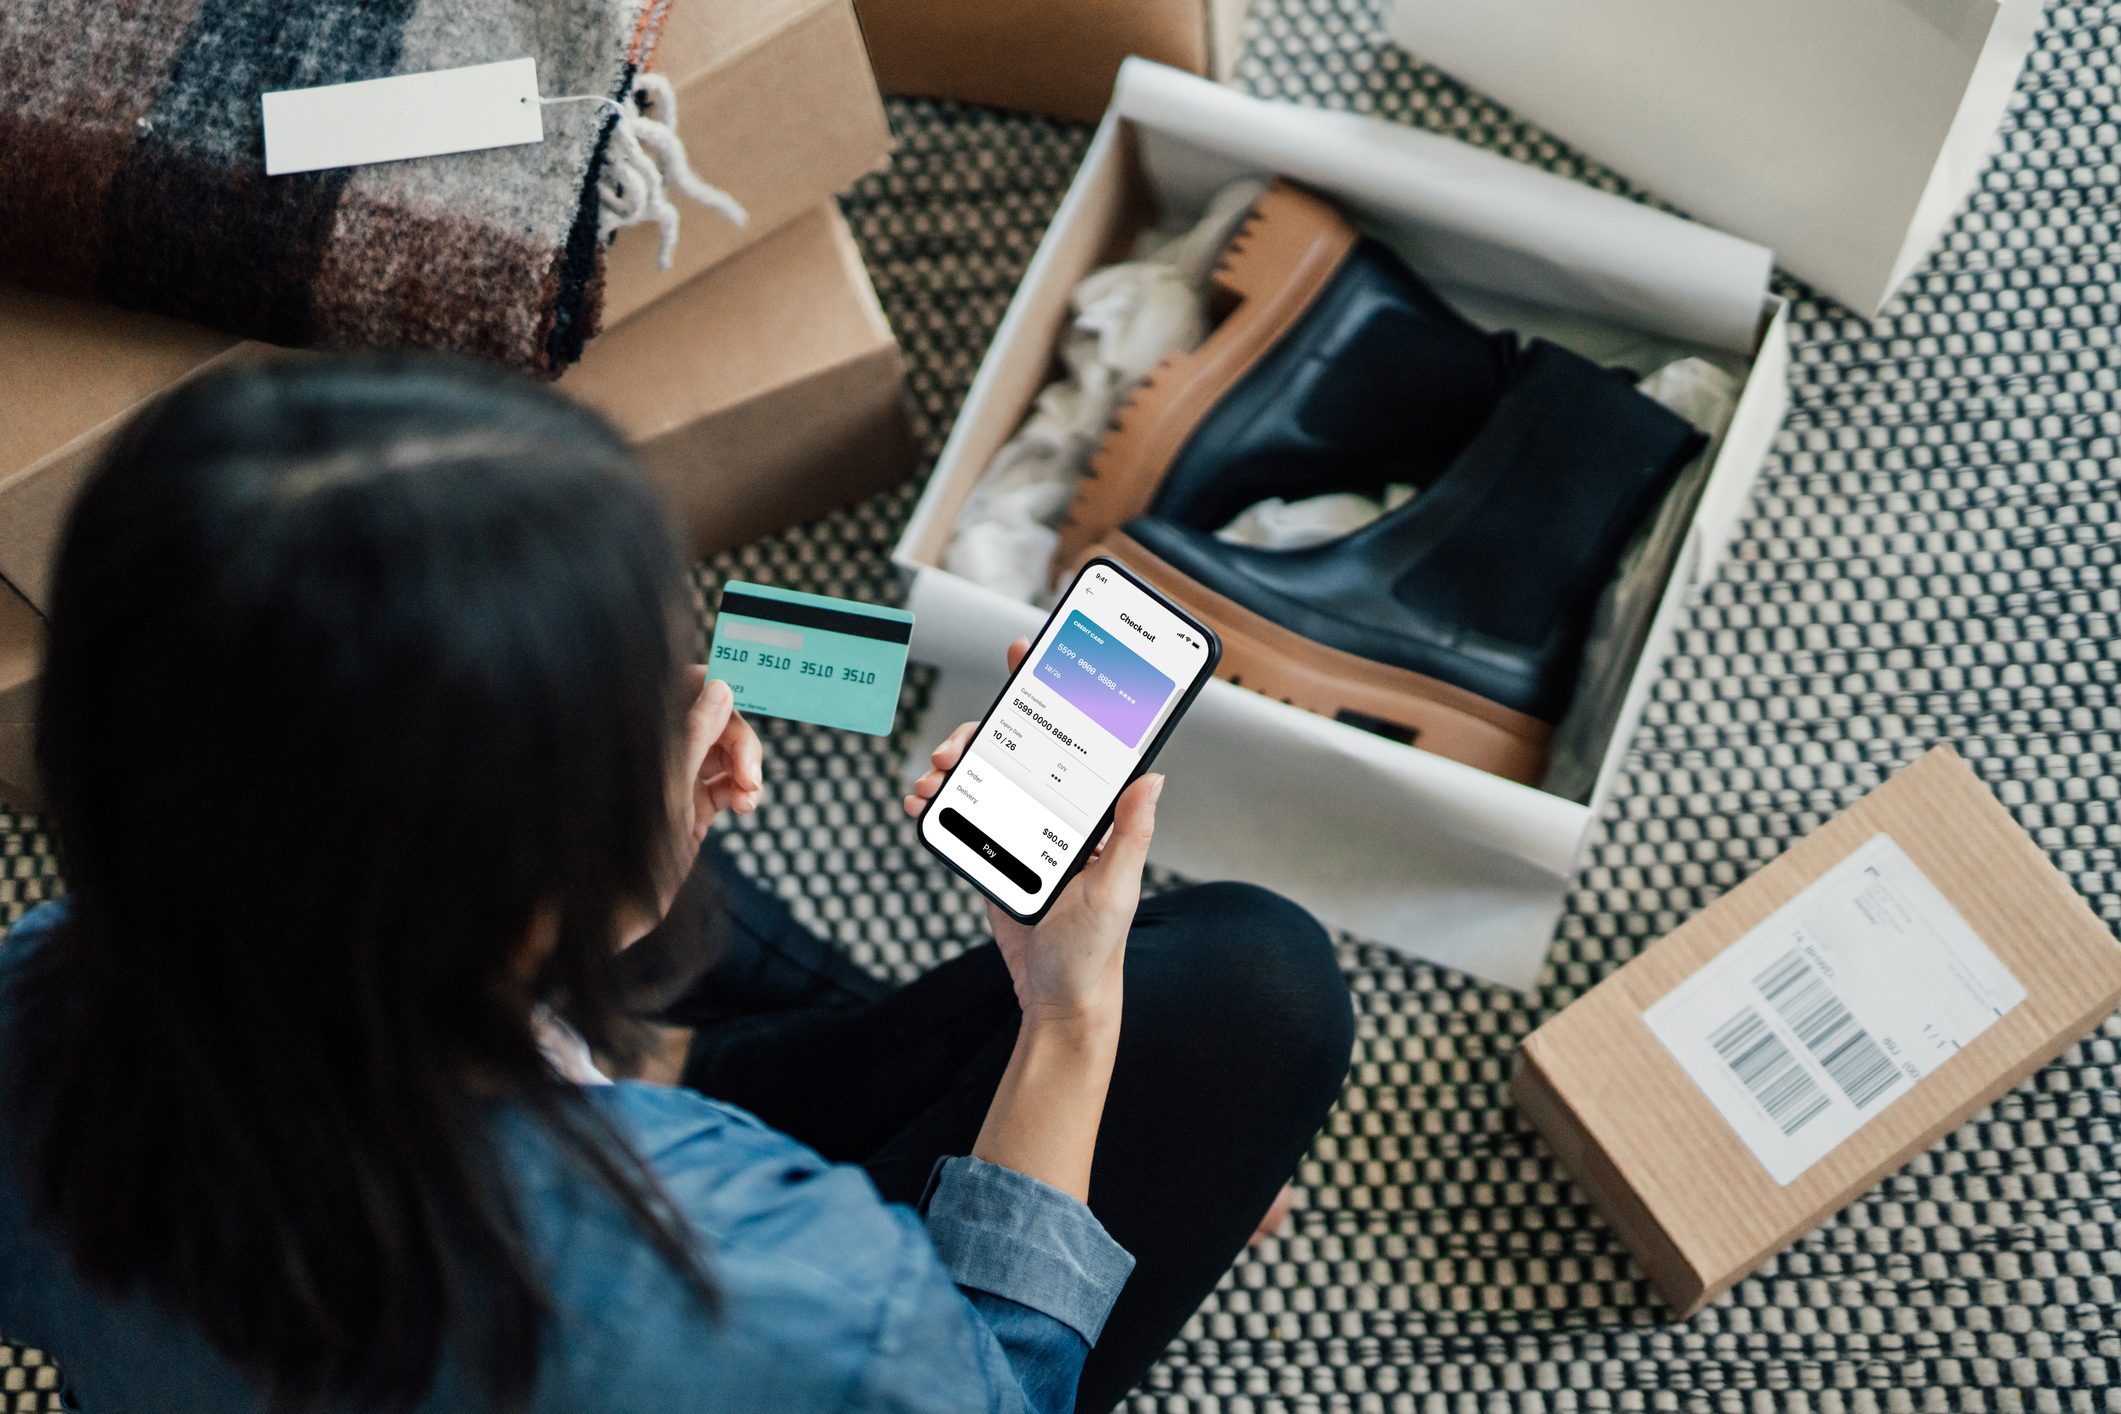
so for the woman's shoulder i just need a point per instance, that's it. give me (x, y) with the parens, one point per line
(21, 946)
(31, 931)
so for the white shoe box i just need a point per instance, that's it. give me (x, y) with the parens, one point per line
(1845, 134)
(1390, 842)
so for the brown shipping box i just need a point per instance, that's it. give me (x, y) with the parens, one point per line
(766, 392)
(775, 102)
(1807, 1034)
(1058, 57)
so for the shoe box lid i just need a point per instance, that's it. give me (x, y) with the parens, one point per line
(1845, 134)
(1493, 224)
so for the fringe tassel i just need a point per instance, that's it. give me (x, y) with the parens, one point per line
(645, 160)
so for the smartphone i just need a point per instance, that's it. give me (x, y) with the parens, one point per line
(1093, 702)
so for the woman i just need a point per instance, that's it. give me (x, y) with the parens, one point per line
(370, 744)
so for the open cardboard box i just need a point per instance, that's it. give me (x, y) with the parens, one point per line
(766, 392)
(1388, 841)
(1845, 134)
(1044, 56)
(775, 102)
(763, 394)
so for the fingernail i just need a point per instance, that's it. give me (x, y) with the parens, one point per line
(1156, 790)
(717, 689)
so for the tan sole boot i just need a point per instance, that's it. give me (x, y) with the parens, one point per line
(1275, 268)
(1392, 702)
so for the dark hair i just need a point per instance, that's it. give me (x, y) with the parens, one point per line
(362, 674)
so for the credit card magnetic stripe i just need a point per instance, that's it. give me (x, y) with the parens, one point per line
(820, 616)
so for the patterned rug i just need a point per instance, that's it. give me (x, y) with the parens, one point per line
(1931, 555)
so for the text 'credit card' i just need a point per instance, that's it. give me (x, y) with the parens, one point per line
(809, 658)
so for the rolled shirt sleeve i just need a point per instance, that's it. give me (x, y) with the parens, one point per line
(1008, 1235)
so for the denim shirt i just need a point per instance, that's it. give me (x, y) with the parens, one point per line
(989, 1298)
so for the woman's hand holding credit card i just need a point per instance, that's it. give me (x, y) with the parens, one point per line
(809, 658)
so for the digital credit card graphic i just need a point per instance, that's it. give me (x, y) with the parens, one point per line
(1089, 668)
(809, 658)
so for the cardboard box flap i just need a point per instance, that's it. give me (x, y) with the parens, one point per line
(765, 392)
(777, 106)
(697, 38)
(1845, 134)
(782, 310)
(1503, 226)
(1042, 57)
(69, 366)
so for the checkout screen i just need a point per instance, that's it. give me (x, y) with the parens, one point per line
(1090, 698)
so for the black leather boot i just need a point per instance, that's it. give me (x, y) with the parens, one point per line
(1456, 622)
(1335, 368)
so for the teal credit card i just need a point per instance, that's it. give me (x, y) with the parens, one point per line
(809, 658)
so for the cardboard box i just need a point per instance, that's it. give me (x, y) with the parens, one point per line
(775, 102)
(1839, 949)
(777, 106)
(1845, 134)
(1388, 841)
(1057, 57)
(765, 393)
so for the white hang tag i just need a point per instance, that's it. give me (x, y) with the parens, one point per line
(409, 115)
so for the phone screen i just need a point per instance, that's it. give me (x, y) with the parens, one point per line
(1093, 695)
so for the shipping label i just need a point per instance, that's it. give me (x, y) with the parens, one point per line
(1846, 997)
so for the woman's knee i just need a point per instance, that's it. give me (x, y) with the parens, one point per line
(1263, 970)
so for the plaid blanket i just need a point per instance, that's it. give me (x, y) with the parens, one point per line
(131, 170)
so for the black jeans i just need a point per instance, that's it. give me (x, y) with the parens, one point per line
(1234, 1043)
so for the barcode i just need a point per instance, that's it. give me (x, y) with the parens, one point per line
(1804, 999)
(1756, 1055)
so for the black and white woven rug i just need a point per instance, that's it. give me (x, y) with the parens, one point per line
(1933, 553)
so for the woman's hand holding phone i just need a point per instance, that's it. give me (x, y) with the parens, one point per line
(1068, 966)
(1069, 971)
